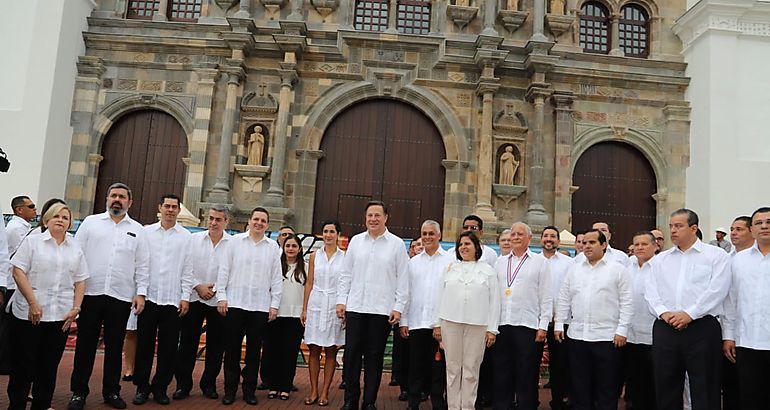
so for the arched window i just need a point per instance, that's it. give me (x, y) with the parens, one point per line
(413, 17)
(142, 9)
(634, 31)
(178, 10)
(594, 28)
(371, 15)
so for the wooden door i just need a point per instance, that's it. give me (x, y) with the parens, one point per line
(385, 150)
(616, 185)
(144, 150)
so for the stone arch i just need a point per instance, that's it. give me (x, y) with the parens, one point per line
(644, 143)
(340, 98)
(649, 6)
(612, 5)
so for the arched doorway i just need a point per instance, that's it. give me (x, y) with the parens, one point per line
(144, 149)
(381, 149)
(616, 184)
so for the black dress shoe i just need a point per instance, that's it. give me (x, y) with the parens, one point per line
(348, 406)
(294, 388)
(180, 394)
(114, 401)
(369, 406)
(140, 398)
(250, 399)
(161, 398)
(393, 382)
(210, 392)
(403, 396)
(262, 386)
(228, 399)
(342, 385)
(77, 402)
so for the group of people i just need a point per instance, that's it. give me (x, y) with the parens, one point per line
(475, 323)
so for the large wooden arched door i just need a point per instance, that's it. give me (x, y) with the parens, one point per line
(616, 184)
(386, 150)
(144, 149)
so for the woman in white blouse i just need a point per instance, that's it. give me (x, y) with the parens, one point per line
(468, 316)
(284, 334)
(323, 329)
(50, 272)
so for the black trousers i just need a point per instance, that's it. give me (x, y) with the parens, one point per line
(752, 375)
(191, 326)
(5, 335)
(161, 323)
(400, 364)
(98, 311)
(697, 350)
(486, 377)
(730, 393)
(516, 368)
(240, 323)
(366, 335)
(595, 368)
(279, 352)
(37, 351)
(558, 368)
(640, 383)
(426, 373)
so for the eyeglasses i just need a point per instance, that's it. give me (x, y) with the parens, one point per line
(659, 239)
(471, 227)
(31, 206)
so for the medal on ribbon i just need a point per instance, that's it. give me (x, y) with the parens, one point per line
(512, 273)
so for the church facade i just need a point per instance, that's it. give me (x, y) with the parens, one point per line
(549, 112)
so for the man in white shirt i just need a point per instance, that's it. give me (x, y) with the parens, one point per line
(611, 253)
(740, 234)
(597, 291)
(168, 299)
(558, 362)
(24, 210)
(504, 242)
(525, 312)
(425, 272)
(640, 391)
(248, 290)
(686, 289)
(118, 262)
(4, 317)
(579, 242)
(207, 247)
(372, 292)
(660, 240)
(745, 322)
(473, 223)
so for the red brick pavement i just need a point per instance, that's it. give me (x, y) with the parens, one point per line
(387, 400)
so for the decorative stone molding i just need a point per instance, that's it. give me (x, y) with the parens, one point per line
(558, 23)
(512, 19)
(748, 18)
(272, 7)
(95, 158)
(508, 192)
(252, 175)
(325, 7)
(461, 15)
(226, 4)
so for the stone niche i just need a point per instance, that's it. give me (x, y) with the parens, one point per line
(250, 168)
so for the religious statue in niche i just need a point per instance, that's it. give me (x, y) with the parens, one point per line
(256, 146)
(557, 7)
(508, 166)
(513, 5)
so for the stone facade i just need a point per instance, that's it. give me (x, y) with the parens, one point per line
(487, 77)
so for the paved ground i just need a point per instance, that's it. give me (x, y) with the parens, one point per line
(388, 397)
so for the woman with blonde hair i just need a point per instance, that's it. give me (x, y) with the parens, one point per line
(50, 272)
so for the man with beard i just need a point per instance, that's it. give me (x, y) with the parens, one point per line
(118, 261)
(558, 361)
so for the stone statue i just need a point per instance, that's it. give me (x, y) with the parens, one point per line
(508, 166)
(557, 7)
(513, 5)
(256, 146)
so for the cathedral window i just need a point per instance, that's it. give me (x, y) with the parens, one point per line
(142, 9)
(371, 15)
(594, 28)
(178, 10)
(634, 31)
(413, 17)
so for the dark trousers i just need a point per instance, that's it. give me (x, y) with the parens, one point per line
(279, 352)
(486, 377)
(730, 392)
(558, 368)
(100, 311)
(595, 368)
(37, 351)
(752, 375)
(366, 335)
(161, 323)
(640, 383)
(697, 350)
(425, 372)
(240, 323)
(5, 335)
(516, 367)
(401, 359)
(189, 340)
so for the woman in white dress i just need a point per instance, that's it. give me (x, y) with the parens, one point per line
(323, 329)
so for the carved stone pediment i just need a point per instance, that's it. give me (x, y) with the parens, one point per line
(254, 103)
(512, 19)
(558, 23)
(461, 15)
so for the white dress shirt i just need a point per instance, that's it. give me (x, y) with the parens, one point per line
(600, 299)
(5, 270)
(52, 271)
(292, 296)
(205, 257)
(695, 281)
(117, 256)
(374, 276)
(16, 230)
(526, 301)
(425, 274)
(612, 255)
(488, 255)
(469, 293)
(558, 265)
(642, 320)
(746, 318)
(250, 275)
(171, 266)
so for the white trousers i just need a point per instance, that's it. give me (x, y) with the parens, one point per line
(464, 349)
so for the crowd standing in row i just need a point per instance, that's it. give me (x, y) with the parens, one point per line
(475, 323)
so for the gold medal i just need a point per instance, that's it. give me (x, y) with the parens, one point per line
(508, 292)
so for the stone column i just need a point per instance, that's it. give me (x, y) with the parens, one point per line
(304, 188)
(672, 182)
(490, 13)
(538, 21)
(485, 164)
(160, 15)
(207, 75)
(244, 9)
(437, 11)
(615, 35)
(288, 73)
(221, 191)
(536, 215)
(562, 102)
(392, 11)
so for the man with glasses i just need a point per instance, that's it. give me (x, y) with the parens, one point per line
(660, 240)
